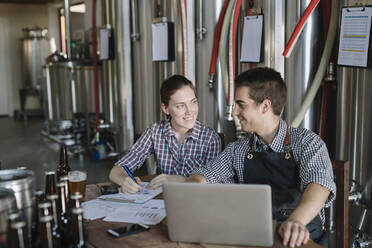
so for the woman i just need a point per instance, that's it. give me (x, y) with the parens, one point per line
(180, 143)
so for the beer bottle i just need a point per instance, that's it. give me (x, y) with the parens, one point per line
(46, 237)
(50, 182)
(78, 228)
(64, 219)
(38, 198)
(20, 238)
(67, 190)
(56, 231)
(63, 167)
(76, 199)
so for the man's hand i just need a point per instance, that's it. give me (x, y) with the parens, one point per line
(157, 182)
(294, 233)
(129, 186)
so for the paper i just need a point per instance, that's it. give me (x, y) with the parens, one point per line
(150, 213)
(160, 41)
(252, 39)
(354, 36)
(96, 209)
(140, 197)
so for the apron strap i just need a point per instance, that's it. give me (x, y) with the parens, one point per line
(287, 147)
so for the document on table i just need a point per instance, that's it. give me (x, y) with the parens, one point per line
(96, 209)
(140, 197)
(355, 36)
(150, 213)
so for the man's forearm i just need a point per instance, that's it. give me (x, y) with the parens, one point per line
(196, 178)
(311, 203)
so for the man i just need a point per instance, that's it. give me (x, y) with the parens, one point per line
(293, 161)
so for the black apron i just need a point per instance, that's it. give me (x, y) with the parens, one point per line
(281, 172)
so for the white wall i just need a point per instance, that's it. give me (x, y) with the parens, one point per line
(16, 17)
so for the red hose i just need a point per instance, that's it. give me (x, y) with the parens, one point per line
(95, 69)
(235, 26)
(217, 36)
(300, 25)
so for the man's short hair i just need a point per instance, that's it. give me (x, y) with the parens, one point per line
(264, 83)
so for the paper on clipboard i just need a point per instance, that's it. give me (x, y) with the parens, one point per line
(252, 39)
(160, 41)
(140, 197)
(354, 36)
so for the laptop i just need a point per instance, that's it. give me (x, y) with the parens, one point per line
(230, 214)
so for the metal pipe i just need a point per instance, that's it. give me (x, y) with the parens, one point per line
(201, 30)
(68, 29)
(135, 35)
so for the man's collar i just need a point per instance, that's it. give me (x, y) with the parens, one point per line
(278, 141)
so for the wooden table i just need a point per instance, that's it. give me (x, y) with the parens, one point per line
(157, 236)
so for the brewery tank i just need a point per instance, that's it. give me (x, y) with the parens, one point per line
(69, 89)
(301, 65)
(22, 183)
(7, 203)
(35, 48)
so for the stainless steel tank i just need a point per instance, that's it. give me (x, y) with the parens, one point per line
(22, 182)
(354, 135)
(301, 66)
(35, 48)
(83, 97)
(58, 91)
(7, 203)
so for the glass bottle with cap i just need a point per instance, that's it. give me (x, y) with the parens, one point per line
(50, 182)
(44, 209)
(20, 238)
(64, 219)
(46, 237)
(56, 230)
(63, 167)
(67, 191)
(78, 228)
(38, 198)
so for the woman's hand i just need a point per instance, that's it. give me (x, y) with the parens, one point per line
(157, 182)
(129, 186)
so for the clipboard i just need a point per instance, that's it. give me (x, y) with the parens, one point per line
(252, 42)
(163, 41)
(355, 37)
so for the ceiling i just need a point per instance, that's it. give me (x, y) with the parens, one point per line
(30, 1)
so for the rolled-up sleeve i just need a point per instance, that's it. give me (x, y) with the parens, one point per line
(139, 151)
(316, 166)
(220, 169)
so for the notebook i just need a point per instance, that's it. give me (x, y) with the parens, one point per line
(231, 214)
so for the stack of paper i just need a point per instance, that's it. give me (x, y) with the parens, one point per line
(136, 208)
(140, 197)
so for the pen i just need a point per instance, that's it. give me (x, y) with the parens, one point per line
(129, 173)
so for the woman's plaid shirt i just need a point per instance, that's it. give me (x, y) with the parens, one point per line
(201, 145)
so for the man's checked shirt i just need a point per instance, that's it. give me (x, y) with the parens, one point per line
(308, 150)
(201, 145)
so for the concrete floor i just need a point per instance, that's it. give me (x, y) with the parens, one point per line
(22, 144)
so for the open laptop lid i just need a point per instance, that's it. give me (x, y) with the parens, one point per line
(233, 214)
